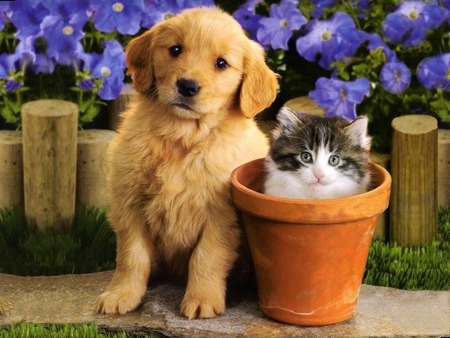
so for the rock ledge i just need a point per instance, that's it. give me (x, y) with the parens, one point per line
(381, 312)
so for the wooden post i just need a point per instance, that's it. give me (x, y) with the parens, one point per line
(49, 159)
(305, 104)
(443, 167)
(92, 168)
(302, 104)
(414, 210)
(11, 172)
(118, 106)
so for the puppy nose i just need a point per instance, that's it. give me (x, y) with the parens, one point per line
(188, 88)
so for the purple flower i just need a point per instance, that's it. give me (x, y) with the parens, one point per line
(12, 85)
(375, 42)
(339, 98)
(332, 39)
(86, 84)
(276, 30)
(112, 85)
(434, 72)
(63, 38)
(38, 62)
(25, 53)
(247, 17)
(363, 7)
(410, 23)
(109, 67)
(123, 16)
(43, 64)
(395, 77)
(4, 10)
(27, 16)
(67, 11)
(160, 10)
(320, 6)
(7, 64)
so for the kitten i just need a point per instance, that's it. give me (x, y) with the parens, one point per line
(315, 157)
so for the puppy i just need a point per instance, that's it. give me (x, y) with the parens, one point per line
(199, 81)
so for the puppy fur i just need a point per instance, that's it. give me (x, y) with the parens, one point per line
(169, 187)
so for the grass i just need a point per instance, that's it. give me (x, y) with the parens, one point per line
(425, 267)
(90, 246)
(30, 330)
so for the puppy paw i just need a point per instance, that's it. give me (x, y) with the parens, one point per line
(194, 307)
(117, 302)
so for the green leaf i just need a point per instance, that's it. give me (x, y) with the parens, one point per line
(8, 113)
(90, 112)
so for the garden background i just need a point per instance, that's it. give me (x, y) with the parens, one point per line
(383, 59)
(379, 58)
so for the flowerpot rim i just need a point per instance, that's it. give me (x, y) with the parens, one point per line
(254, 202)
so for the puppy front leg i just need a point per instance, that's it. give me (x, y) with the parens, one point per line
(129, 282)
(208, 269)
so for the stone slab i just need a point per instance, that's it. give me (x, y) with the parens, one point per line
(381, 311)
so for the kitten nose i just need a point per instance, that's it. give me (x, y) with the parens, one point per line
(187, 87)
(318, 174)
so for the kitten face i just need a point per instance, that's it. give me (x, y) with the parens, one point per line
(315, 157)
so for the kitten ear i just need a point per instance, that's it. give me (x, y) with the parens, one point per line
(288, 118)
(357, 131)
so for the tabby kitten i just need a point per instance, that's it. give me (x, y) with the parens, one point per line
(315, 157)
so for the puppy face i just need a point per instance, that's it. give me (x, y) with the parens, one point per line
(201, 62)
(198, 64)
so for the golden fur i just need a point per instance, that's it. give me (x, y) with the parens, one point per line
(169, 185)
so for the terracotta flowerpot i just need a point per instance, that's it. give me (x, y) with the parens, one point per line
(309, 255)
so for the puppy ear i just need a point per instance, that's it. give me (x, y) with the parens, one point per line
(139, 61)
(259, 84)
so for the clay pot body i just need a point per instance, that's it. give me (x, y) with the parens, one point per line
(309, 255)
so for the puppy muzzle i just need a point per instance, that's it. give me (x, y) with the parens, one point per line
(187, 87)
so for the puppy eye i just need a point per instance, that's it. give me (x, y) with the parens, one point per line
(221, 64)
(175, 50)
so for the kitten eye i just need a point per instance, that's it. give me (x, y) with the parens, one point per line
(306, 157)
(175, 50)
(221, 64)
(334, 160)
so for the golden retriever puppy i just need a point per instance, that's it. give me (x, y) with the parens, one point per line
(199, 81)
